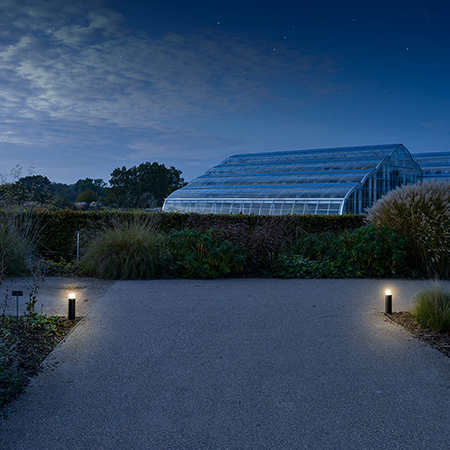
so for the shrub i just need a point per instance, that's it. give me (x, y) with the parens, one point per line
(294, 266)
(205, 254)
(432, 308)
(422, 212)
(57, 237)
(12, 378)
(317, 246)
(266, 242)
(129, 250)
(367, 251)
(374, 251)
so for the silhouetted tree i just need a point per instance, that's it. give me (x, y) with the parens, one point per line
(13, 194)
(97, 185)
(143, 186)
(87, 196)
(38, 188)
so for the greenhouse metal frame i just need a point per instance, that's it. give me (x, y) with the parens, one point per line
(319, 181)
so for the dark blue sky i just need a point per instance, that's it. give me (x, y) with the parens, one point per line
(92, 85)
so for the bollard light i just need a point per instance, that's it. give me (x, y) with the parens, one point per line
(72, 298)
(388, 301)
(17, 294)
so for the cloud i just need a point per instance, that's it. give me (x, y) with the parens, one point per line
(90, 68)
(75, 76)
(185, 145)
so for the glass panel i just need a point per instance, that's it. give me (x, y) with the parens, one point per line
(287, 208)
(265, 208)
(310, 208)
(208, 207)
(299, 208)
(226, 208)
(235, 208)
(255, 206)
(276, 208)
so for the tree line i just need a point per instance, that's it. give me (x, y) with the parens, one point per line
(143, 186)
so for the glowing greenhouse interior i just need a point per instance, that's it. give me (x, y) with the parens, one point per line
(319, 181)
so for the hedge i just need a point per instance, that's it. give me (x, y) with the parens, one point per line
(57, 230)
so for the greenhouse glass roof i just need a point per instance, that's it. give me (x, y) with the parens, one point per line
(434, 165)
(335, 180)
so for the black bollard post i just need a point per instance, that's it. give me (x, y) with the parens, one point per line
(71, 314)
(388, 302)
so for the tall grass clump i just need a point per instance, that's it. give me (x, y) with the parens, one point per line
(422, 212)
(17, 239)
(432, 309)
(128, 250)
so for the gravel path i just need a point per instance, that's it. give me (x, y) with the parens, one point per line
(238, 364)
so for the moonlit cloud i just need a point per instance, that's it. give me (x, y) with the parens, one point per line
(89, 69)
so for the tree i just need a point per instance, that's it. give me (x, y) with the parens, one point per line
(88, 196)
(97, 185)
(38, 188)
(13, 194)
(64, 195)
(143, 186)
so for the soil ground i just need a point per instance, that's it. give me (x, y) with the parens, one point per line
(28, 341)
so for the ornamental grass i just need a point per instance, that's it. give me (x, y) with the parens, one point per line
(128, 250)
(422, 212)
(432, 309)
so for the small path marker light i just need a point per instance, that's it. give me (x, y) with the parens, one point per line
(72, 298)
(17, 294)
(388, 301)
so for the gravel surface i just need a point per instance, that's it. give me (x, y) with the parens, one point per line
(440, 341)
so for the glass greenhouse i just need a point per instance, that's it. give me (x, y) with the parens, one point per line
(434, 165)
(320, 181)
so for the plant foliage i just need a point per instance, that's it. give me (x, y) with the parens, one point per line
(17, 236)
(422, 212)
(129, 250)
(367, 251)
(143, 186)
(205, 254)
(432, 309)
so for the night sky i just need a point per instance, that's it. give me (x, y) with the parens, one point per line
(88, 86)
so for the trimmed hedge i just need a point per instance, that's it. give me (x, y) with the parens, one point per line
(57, 230)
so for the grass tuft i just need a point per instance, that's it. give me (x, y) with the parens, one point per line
(16, 244)
(129, 250)
(432, 309)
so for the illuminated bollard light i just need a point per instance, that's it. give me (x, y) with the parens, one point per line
(388, 302)
(72, 298)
